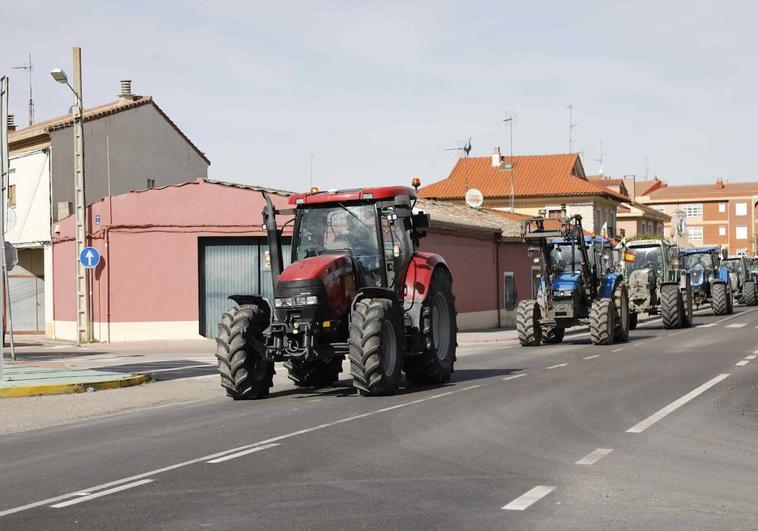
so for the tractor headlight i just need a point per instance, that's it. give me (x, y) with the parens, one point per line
(306, 300)
(284, 302)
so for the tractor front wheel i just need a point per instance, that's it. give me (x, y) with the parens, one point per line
(749, 293)
(439, 330)
(528, 323)
(623, 323)
(720, 298)
(244, 371)
(377, 341)
(633, 320)
(603, 321)
(553, 335)
(672, 306)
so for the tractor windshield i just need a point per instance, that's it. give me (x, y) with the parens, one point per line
(752, 264)
(734, 265)
(646, 258)
(698, 260)
(566, 258)
(342, 228)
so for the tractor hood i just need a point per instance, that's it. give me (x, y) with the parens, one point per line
(567, 281)
(697, 275)
(642, 278)
(315, 268)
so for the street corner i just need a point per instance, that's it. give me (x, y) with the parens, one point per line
(25, 381)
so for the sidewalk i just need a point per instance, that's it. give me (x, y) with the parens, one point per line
(22, 379)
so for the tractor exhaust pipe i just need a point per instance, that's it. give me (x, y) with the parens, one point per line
(274, 239)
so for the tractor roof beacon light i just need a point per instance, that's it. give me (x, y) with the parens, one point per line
(416, 182)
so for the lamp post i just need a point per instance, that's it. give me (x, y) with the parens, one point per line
(83, 328)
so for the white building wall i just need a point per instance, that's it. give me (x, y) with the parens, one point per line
(30, 173)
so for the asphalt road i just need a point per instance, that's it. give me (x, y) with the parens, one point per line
(659, 432)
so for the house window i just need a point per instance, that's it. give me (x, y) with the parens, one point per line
(722, 230)
(740, 209)
(510, 298)
(741, 232)
(695, 233)
(151, 183)
(11, 195)
(722, 207)
(694, 210)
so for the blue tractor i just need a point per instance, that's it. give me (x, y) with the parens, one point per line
(577, 287)
(710, 278)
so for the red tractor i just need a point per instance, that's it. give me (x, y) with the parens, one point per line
(356, 287)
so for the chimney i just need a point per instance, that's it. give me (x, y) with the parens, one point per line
(719, 183)
(497, 158)
(126, 90)
(11, 122)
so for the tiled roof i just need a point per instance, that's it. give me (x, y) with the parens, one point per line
(201, 180)
(627, 211)
(533, 176)
(643, 187)
(95, 113)
(702, 191)
(463, 217)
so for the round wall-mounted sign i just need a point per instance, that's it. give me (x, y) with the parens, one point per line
(474, 198)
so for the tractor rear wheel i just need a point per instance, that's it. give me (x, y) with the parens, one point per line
(729, 299)
(623, 323)
(528, 323)
(602, 321)
(749, 293)
(552, 335)
(633, 320)
(377, 341)
(314, 373)
(239, 350)
(720, 298)
(440, 332)
(672, 306)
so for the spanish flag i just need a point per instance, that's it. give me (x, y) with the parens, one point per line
(628, 256)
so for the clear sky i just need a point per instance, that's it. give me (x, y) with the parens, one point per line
(378, 90)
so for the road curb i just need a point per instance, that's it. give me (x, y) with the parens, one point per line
(80, 387)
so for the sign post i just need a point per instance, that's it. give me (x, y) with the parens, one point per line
(3, 186)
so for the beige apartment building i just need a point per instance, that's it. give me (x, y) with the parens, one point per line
(722, 213)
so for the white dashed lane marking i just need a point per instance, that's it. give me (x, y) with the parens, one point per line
(592, 357)
(86, 496)
(736, 325)
(742, 363)
(514, 376)
(556, 366)
(594, 456)
(528, 498)
(242, 453)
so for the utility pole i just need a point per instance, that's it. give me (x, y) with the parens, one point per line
(509, 121)
(84, 331)
(571, 127)
(3, 180)
(601, 160)
(29, 69)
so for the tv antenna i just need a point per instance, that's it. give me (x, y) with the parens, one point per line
(646, 168)
(29, 68)
(571, 127)
(509, 119)
(601, 160)
(463, 151)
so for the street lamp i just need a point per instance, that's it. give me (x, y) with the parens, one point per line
(84, 329)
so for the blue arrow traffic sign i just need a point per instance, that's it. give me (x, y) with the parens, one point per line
(89, 257)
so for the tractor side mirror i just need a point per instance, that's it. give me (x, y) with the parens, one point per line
(421, 220)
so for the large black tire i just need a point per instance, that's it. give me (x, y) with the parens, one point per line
(377, 343)
(602, 321)
(633, 320)
(528, 316)
(719, 298)
(729, 299)
(552, 335)
(749, 294)
(244, 372)
(314, 373)
(672, 306)
(439, 329)
(623, 322)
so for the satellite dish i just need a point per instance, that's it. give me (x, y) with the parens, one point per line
(10, 220)
(474, 198)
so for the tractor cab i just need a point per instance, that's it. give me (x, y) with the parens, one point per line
(710, 278)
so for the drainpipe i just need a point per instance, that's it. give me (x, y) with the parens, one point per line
(497, 277)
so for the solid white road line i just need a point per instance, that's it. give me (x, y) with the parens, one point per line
(88, 497)
(593, 457)
(673, 406)
(592, 357)
(175, 466)
(736, 325)
(150, 371)
(556, 366)
(514, 376)
(242, 453)
(742, 363)
(528, 498)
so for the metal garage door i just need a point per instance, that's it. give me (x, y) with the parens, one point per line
(230, 266)
(27, 300)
